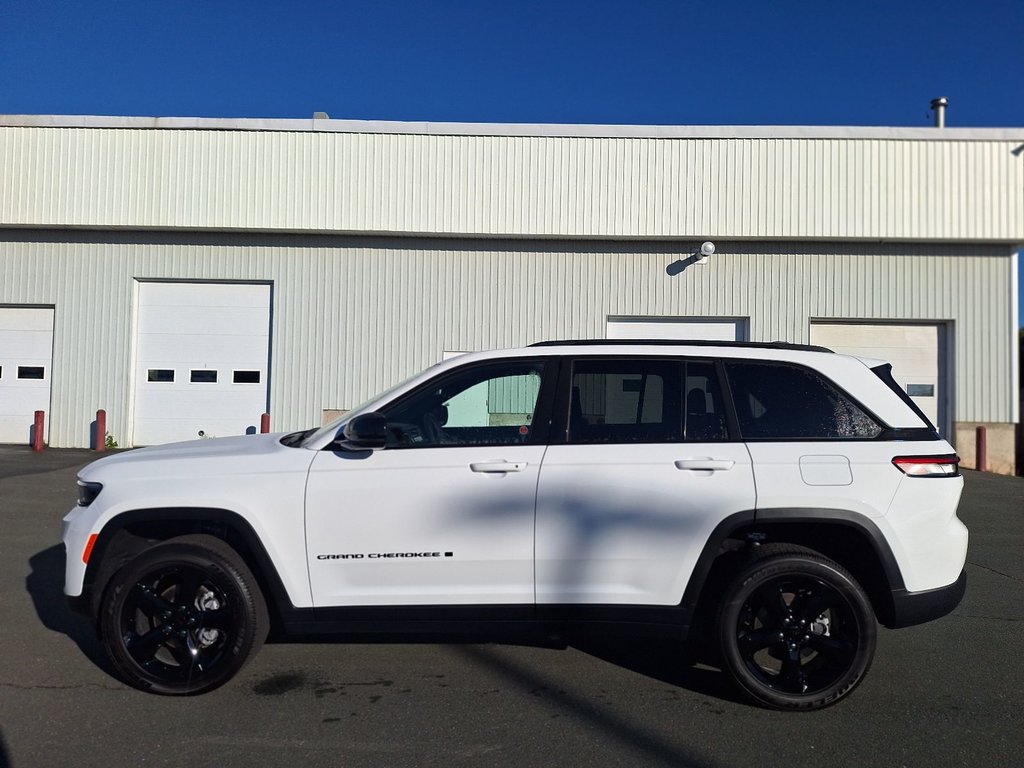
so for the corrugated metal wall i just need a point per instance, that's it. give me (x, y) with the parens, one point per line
(513, 186)
(353, 315)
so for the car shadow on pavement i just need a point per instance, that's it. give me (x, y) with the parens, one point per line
(45, 585)
(690, 666)
(655, 748)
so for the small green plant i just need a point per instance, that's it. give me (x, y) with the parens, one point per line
(110, 442)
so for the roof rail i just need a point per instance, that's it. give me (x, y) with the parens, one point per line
(681, 343)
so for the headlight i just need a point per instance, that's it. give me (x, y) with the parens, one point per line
(87, 493)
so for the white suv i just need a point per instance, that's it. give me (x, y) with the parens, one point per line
(790, 495)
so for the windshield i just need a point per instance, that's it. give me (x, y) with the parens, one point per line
(332, 427)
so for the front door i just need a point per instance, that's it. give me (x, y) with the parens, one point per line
(444, 514)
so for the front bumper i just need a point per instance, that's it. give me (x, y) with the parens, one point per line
(76, 527)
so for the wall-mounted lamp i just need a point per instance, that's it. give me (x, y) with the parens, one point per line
(707, 248)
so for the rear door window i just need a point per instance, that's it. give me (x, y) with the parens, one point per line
(779, 401)
(625, 401)
(703, 410)
(645, 400)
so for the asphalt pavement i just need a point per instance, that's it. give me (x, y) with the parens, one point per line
(949, 693)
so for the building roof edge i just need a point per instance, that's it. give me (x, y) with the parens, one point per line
(514, 129)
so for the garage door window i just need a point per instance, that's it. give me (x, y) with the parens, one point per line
(30, 372)
(160, 375)
(246, 377)
(787, 402)
(203, 377)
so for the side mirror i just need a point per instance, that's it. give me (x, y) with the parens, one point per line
(365, 432)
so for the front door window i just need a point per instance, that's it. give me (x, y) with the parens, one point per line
(484, 405)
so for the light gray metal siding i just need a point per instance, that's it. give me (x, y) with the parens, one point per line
(514, 186)
(353, 315)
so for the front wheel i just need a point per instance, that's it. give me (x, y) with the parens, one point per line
(182, 617)
(796, 630)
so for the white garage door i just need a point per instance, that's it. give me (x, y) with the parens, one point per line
(26, 352)
(202, 352)
(680, 329)
(916, 351)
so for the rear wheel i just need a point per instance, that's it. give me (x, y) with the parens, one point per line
(796, 630)
(182, 617)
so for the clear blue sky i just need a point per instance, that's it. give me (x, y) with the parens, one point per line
(790, 62)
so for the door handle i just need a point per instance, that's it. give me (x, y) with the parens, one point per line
(498, 466)
(705, 464)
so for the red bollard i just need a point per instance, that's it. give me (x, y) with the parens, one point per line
(101, 431)
(264, 423)
(37, 431)
(980, 449)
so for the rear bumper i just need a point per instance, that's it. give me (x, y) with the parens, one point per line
(910, 608)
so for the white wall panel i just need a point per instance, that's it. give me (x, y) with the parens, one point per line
(353, 315)
(764, 184)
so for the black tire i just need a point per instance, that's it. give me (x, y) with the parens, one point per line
(796, 630)
(183, 617)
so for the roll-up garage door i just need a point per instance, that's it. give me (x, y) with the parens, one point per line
(679, 329)
(26, 353)
(916, 351)
(202, 357)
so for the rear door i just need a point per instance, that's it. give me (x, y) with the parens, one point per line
(812, 444)
(641, 475)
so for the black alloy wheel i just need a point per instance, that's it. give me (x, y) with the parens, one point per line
(796, 630)
(183, 617)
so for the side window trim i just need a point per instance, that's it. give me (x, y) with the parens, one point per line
(560, 403)
(731, 419)
(723, 406)
(543, 414)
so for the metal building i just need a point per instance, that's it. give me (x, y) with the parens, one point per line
(187, 275)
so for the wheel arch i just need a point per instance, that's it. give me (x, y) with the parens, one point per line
(129, 534)
(851, 540)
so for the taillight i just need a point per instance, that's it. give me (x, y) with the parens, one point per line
(928, 466)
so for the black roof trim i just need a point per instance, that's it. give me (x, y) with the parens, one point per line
(674, 343)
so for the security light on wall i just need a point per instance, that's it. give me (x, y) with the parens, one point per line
(707, 248)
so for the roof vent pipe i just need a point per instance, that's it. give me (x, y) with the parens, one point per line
(939, 109)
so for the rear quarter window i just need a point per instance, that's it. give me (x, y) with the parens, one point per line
(779, 401)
